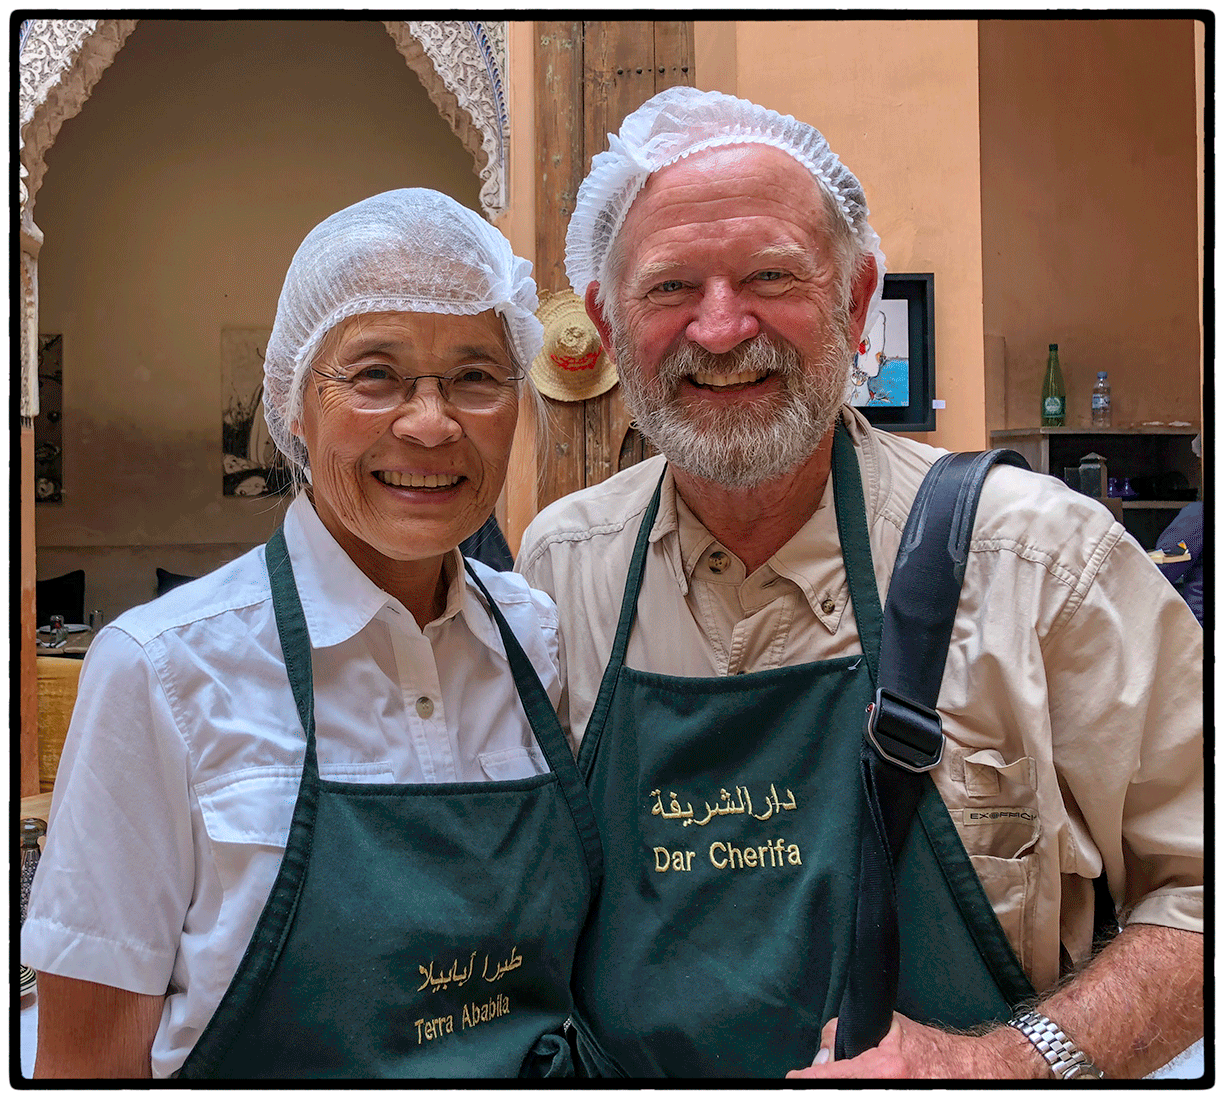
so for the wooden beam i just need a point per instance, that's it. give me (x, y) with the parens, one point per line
(626, 62)
(674, 54)
(619, 76)
(561, 441)
(589, 77)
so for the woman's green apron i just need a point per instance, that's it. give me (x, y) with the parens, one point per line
(729, 809)
(414, 930)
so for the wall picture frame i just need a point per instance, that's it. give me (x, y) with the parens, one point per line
(49, 423)
(250, 463)
(893, 374)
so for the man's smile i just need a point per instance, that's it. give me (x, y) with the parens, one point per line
(709, 380)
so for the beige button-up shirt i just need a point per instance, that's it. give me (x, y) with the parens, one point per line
(1072, 697)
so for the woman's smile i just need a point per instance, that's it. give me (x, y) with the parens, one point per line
(431, 481)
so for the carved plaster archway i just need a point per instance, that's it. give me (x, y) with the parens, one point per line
(459, 62)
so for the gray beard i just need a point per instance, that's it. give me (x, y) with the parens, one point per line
(752, 444)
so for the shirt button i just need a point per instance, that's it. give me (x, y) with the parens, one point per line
(717, 562)
(828, 606)
(424, 706)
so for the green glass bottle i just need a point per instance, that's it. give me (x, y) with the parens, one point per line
(1053, 393)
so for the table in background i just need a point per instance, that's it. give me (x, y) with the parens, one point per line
(58, 676)
(78, 640)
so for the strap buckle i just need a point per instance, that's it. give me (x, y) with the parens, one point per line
(904, 732)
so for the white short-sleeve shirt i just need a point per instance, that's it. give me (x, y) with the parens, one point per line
(182, 761)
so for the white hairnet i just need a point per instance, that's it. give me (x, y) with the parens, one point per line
(673, 124)
(410, 251)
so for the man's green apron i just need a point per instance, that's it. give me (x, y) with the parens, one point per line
(729, 809)
(414, 930)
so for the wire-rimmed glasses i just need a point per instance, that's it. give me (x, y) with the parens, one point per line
(375, 387)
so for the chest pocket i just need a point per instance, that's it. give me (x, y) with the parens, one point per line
(512, 763)
(255, 806)
(1000, 826)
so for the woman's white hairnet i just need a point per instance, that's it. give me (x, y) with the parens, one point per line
(670, 126)
(411, 251)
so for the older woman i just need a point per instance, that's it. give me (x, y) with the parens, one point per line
(315, 816)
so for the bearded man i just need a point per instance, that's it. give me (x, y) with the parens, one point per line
(714, 602)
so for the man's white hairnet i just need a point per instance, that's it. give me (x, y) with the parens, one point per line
(670, 126)
(407, 251)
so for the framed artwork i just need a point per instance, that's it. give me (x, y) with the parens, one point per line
(250, 463)
(48, 424)
(893, 376)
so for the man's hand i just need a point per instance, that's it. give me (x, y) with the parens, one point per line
(1131, 1010)
(912, 1051)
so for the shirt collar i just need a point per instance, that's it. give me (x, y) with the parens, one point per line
(339, 600)
(673, 529)
(817, 540)
(463, 598)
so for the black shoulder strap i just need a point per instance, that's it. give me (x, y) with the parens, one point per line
(929, 570)
(904, 735)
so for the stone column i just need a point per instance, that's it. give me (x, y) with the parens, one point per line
(31, 242)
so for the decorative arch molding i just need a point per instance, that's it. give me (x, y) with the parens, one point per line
(460, 63)
(61, 61)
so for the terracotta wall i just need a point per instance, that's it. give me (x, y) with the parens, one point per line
(171, 208)
(1090, 212)
(897, 101)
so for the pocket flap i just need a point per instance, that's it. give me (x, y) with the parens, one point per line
(513, 763)
(256, 805)
(985, 768)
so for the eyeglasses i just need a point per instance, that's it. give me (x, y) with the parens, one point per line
(374, 387)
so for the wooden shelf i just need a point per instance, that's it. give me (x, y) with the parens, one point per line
(1134, 429)
(1136, 450)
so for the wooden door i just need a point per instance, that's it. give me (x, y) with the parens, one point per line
(589, 75)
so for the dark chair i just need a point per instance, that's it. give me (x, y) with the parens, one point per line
(167, 580)
(61, 595)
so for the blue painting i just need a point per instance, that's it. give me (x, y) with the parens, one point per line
(880, 374)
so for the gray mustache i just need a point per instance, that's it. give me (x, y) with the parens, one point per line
(758, 353)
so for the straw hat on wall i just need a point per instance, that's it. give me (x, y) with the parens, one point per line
(573, 365)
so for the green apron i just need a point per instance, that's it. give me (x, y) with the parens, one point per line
(729, 808)
(414, 930)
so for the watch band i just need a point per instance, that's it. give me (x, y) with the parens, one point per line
(1066, 1060)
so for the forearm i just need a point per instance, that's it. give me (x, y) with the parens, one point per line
(91, 1031)
(1133, 1008)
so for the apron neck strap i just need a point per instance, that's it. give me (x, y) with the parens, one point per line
(543, 720)
(620, 643)
(294, 639)
(856, 546)
(856, 553)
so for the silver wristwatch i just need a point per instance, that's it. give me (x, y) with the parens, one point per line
(1066, 1060)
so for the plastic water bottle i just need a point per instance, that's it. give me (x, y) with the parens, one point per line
(1101, 416)
(1053, 393)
